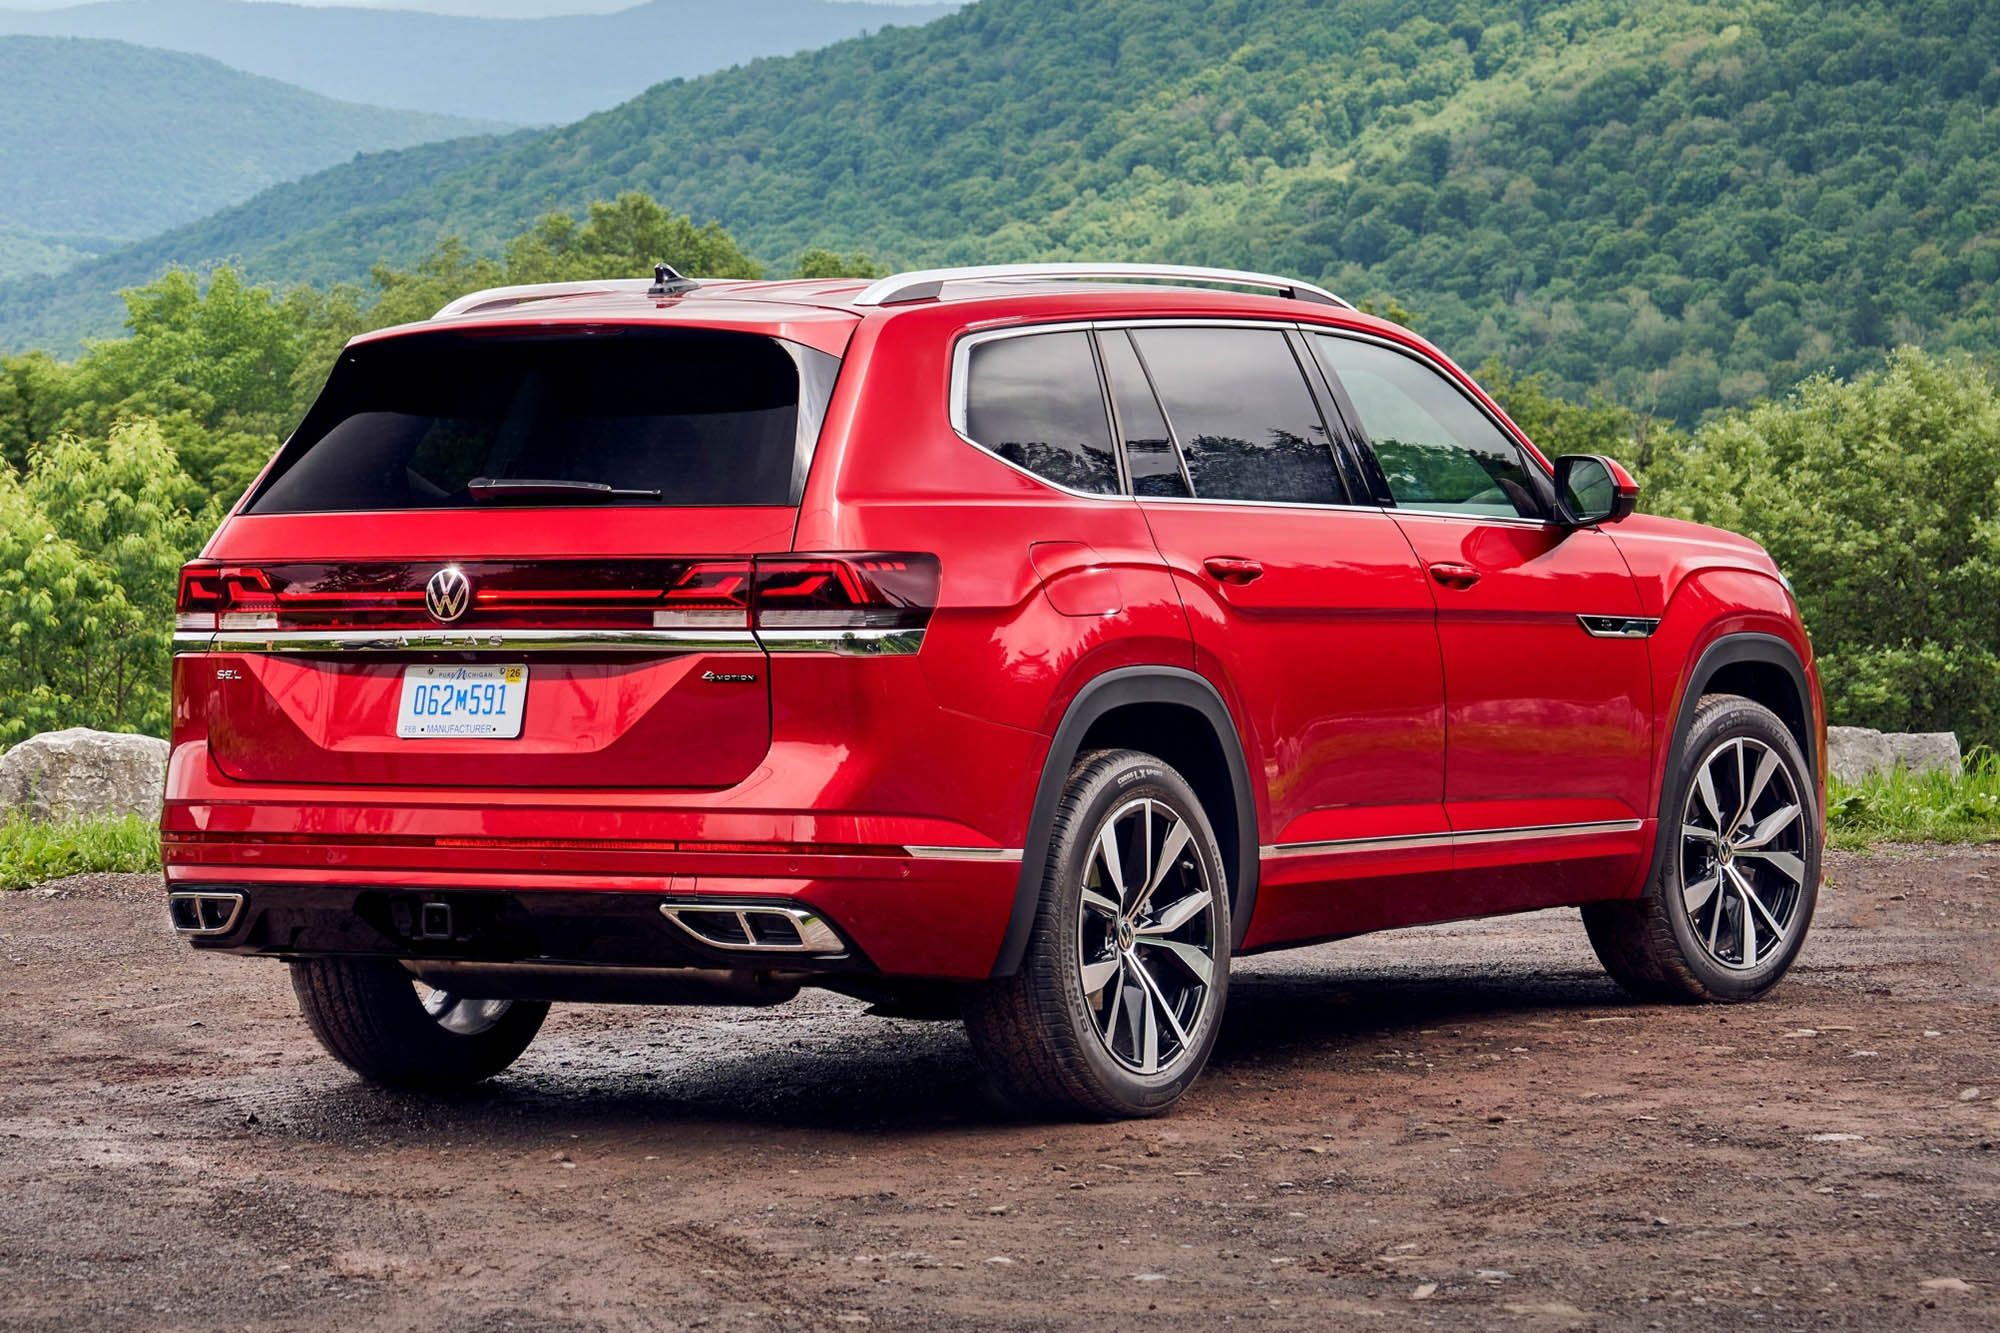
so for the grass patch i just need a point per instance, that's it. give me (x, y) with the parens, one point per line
(1894, 807)
(1931, 807)
(31, 852)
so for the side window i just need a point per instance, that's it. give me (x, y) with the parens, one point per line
(1150, 455)
(1036, 401)
(1438, 450)
(1240, 408)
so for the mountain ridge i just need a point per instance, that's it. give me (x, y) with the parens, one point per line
(1681, 207)
(519, 70)
(105, 139)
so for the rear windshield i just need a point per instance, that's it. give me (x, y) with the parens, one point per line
(662, 416)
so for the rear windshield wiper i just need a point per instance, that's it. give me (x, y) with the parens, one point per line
(502, 490)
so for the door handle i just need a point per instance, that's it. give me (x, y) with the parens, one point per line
(1454, 576)
(1232, 569)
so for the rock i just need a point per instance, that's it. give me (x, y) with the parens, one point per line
(80, 774)
(1854, 753)
(1945, 1284)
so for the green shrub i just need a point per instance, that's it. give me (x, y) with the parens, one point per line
(91, 542)
(1880, 498)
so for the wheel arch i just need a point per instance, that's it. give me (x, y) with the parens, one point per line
(1154, 709)
(1760, 667)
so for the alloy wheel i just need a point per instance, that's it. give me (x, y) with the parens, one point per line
(1742, 853)
(461, 1015)
(1147, 939)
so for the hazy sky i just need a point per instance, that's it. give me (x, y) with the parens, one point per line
(513, 9)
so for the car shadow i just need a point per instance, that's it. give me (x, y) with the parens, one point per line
(851, 1073)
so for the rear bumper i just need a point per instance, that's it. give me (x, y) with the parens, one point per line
(895, 916)
(924, 894)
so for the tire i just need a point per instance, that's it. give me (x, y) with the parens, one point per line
(368, 1015)
(1723, 914)
(1159, 960)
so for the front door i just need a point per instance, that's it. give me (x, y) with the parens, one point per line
(1309, 609)
(1548, 751)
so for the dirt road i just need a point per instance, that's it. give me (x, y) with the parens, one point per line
(1455, 1126)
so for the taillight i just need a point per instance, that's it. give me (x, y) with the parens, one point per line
(775, 592)
(712, 594)
(845, 591)
(225, 597)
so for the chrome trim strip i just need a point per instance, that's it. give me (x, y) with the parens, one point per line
(845, 642)
(1468, 838)
(454, 641)
(928, 284)
(187, 895)
(1382, 510)
(1008, 854)
(1619, 627)
(815, 935)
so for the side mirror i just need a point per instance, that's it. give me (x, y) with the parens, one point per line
(1591, 489)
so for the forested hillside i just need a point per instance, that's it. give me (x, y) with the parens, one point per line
(105, 139)
(1680, 205)
(542, 71)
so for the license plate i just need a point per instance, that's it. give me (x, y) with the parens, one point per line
(480, 702)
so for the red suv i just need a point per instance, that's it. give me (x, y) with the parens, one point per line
(1022, 643)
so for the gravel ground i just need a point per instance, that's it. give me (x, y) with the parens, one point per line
(1460, 1126)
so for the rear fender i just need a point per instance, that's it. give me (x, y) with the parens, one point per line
(1112, 690)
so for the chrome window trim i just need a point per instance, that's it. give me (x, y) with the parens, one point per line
(1619, 627)
(1262, 504)
(1465, 838)
(961, 364)
(1000, 854)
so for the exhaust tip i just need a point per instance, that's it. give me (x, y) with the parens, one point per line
(755, 927)
(204, 913)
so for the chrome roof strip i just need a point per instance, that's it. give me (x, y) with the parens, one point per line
(541, 291)
(928, 284)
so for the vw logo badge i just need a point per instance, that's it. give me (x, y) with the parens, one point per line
(448, 595)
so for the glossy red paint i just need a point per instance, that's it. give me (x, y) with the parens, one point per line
(1405, 688)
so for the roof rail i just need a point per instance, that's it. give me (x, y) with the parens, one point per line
(538, 291)
(928, 284)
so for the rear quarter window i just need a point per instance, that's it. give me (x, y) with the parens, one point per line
(1036, 401)
(699, 417)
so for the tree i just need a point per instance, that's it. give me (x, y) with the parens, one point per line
(1880, 499)
(92, 537)
(817, 263)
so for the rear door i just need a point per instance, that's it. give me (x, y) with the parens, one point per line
(510, 558)
(1548, 742)
(1309, 608)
